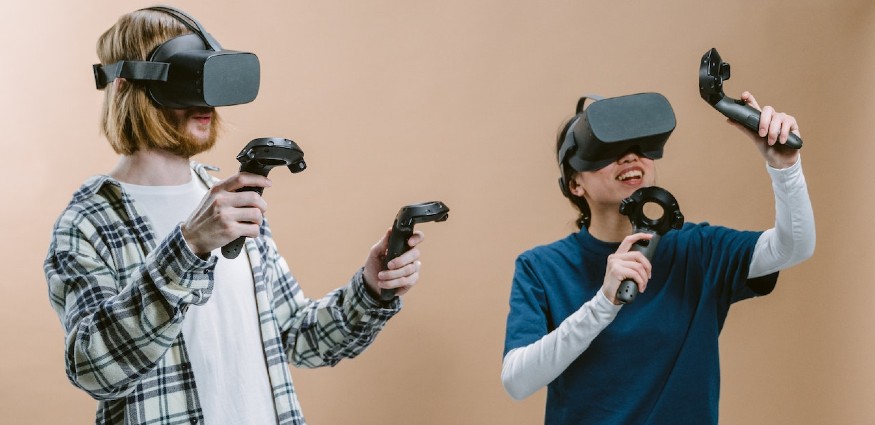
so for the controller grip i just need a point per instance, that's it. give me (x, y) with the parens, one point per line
(741, 112)
(233, 248)
(628, 291)
(397, 246)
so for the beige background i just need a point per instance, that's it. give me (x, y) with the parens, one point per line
(396, 102)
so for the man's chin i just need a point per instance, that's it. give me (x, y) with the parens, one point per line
(191, 146)
(196, 138)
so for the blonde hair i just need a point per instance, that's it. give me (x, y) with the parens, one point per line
(130, 120)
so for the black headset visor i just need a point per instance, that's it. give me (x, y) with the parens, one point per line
(203, 77)
(609, 128)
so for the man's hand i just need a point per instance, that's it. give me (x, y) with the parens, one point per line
(225, 214)
(403, 271)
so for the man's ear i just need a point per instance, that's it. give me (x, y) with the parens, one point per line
(118, 83)
(575, 185)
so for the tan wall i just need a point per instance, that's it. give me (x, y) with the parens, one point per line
(396, 102)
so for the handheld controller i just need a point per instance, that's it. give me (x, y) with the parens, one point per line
(259, 157)
(402, 229)
(670, 218)
(712, 72)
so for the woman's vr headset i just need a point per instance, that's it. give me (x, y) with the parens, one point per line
(609, 128)
(189, 70)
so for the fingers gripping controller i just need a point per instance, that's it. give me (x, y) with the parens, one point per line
(259, 157)
(712, 72)
(657, 223)
(402, 229)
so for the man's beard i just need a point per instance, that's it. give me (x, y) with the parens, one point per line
(189, 145)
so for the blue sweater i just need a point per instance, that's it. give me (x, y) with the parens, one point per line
(658, 361)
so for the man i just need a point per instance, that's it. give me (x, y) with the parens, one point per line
(160, 328)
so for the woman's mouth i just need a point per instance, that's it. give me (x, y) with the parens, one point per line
(631, 176)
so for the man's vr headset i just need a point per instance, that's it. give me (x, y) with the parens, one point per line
(189, 70)
(608, 128)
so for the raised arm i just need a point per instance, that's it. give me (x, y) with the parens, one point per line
(792, 240)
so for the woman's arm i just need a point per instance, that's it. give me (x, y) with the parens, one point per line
(792, 239)
(527, 369)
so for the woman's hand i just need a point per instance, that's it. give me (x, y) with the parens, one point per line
(625, 264)
(774, 129)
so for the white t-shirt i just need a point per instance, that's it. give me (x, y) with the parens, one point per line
(222, 336)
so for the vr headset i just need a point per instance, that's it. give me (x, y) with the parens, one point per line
(189, 70)
(609, 128)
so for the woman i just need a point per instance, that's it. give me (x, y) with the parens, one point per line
(654, 361)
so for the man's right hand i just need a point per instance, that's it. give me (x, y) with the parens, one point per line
(225, 214)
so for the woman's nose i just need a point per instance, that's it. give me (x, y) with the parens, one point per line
(629, 156)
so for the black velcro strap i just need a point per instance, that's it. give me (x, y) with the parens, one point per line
(132, 70)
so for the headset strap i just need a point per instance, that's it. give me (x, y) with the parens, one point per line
(191, 23)
(582, 101)
(132, 70)
(569, 143)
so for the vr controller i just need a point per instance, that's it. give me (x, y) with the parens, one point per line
(671, 218)
(402, 229)
(712, 72)
(259, 157)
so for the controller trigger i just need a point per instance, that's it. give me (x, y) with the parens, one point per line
(724, 70)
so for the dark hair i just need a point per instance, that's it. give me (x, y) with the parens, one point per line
(567, 174)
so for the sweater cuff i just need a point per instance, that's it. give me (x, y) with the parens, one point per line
(785, 174)
(179, 273)
(602, 306)
(361, 297)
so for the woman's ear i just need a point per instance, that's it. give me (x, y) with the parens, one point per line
(575, 185)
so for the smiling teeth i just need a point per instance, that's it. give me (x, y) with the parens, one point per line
(632, 174)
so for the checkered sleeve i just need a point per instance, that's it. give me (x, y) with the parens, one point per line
(321, 332)
(121, 312)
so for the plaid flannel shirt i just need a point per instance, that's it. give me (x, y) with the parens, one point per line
(121, 296)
